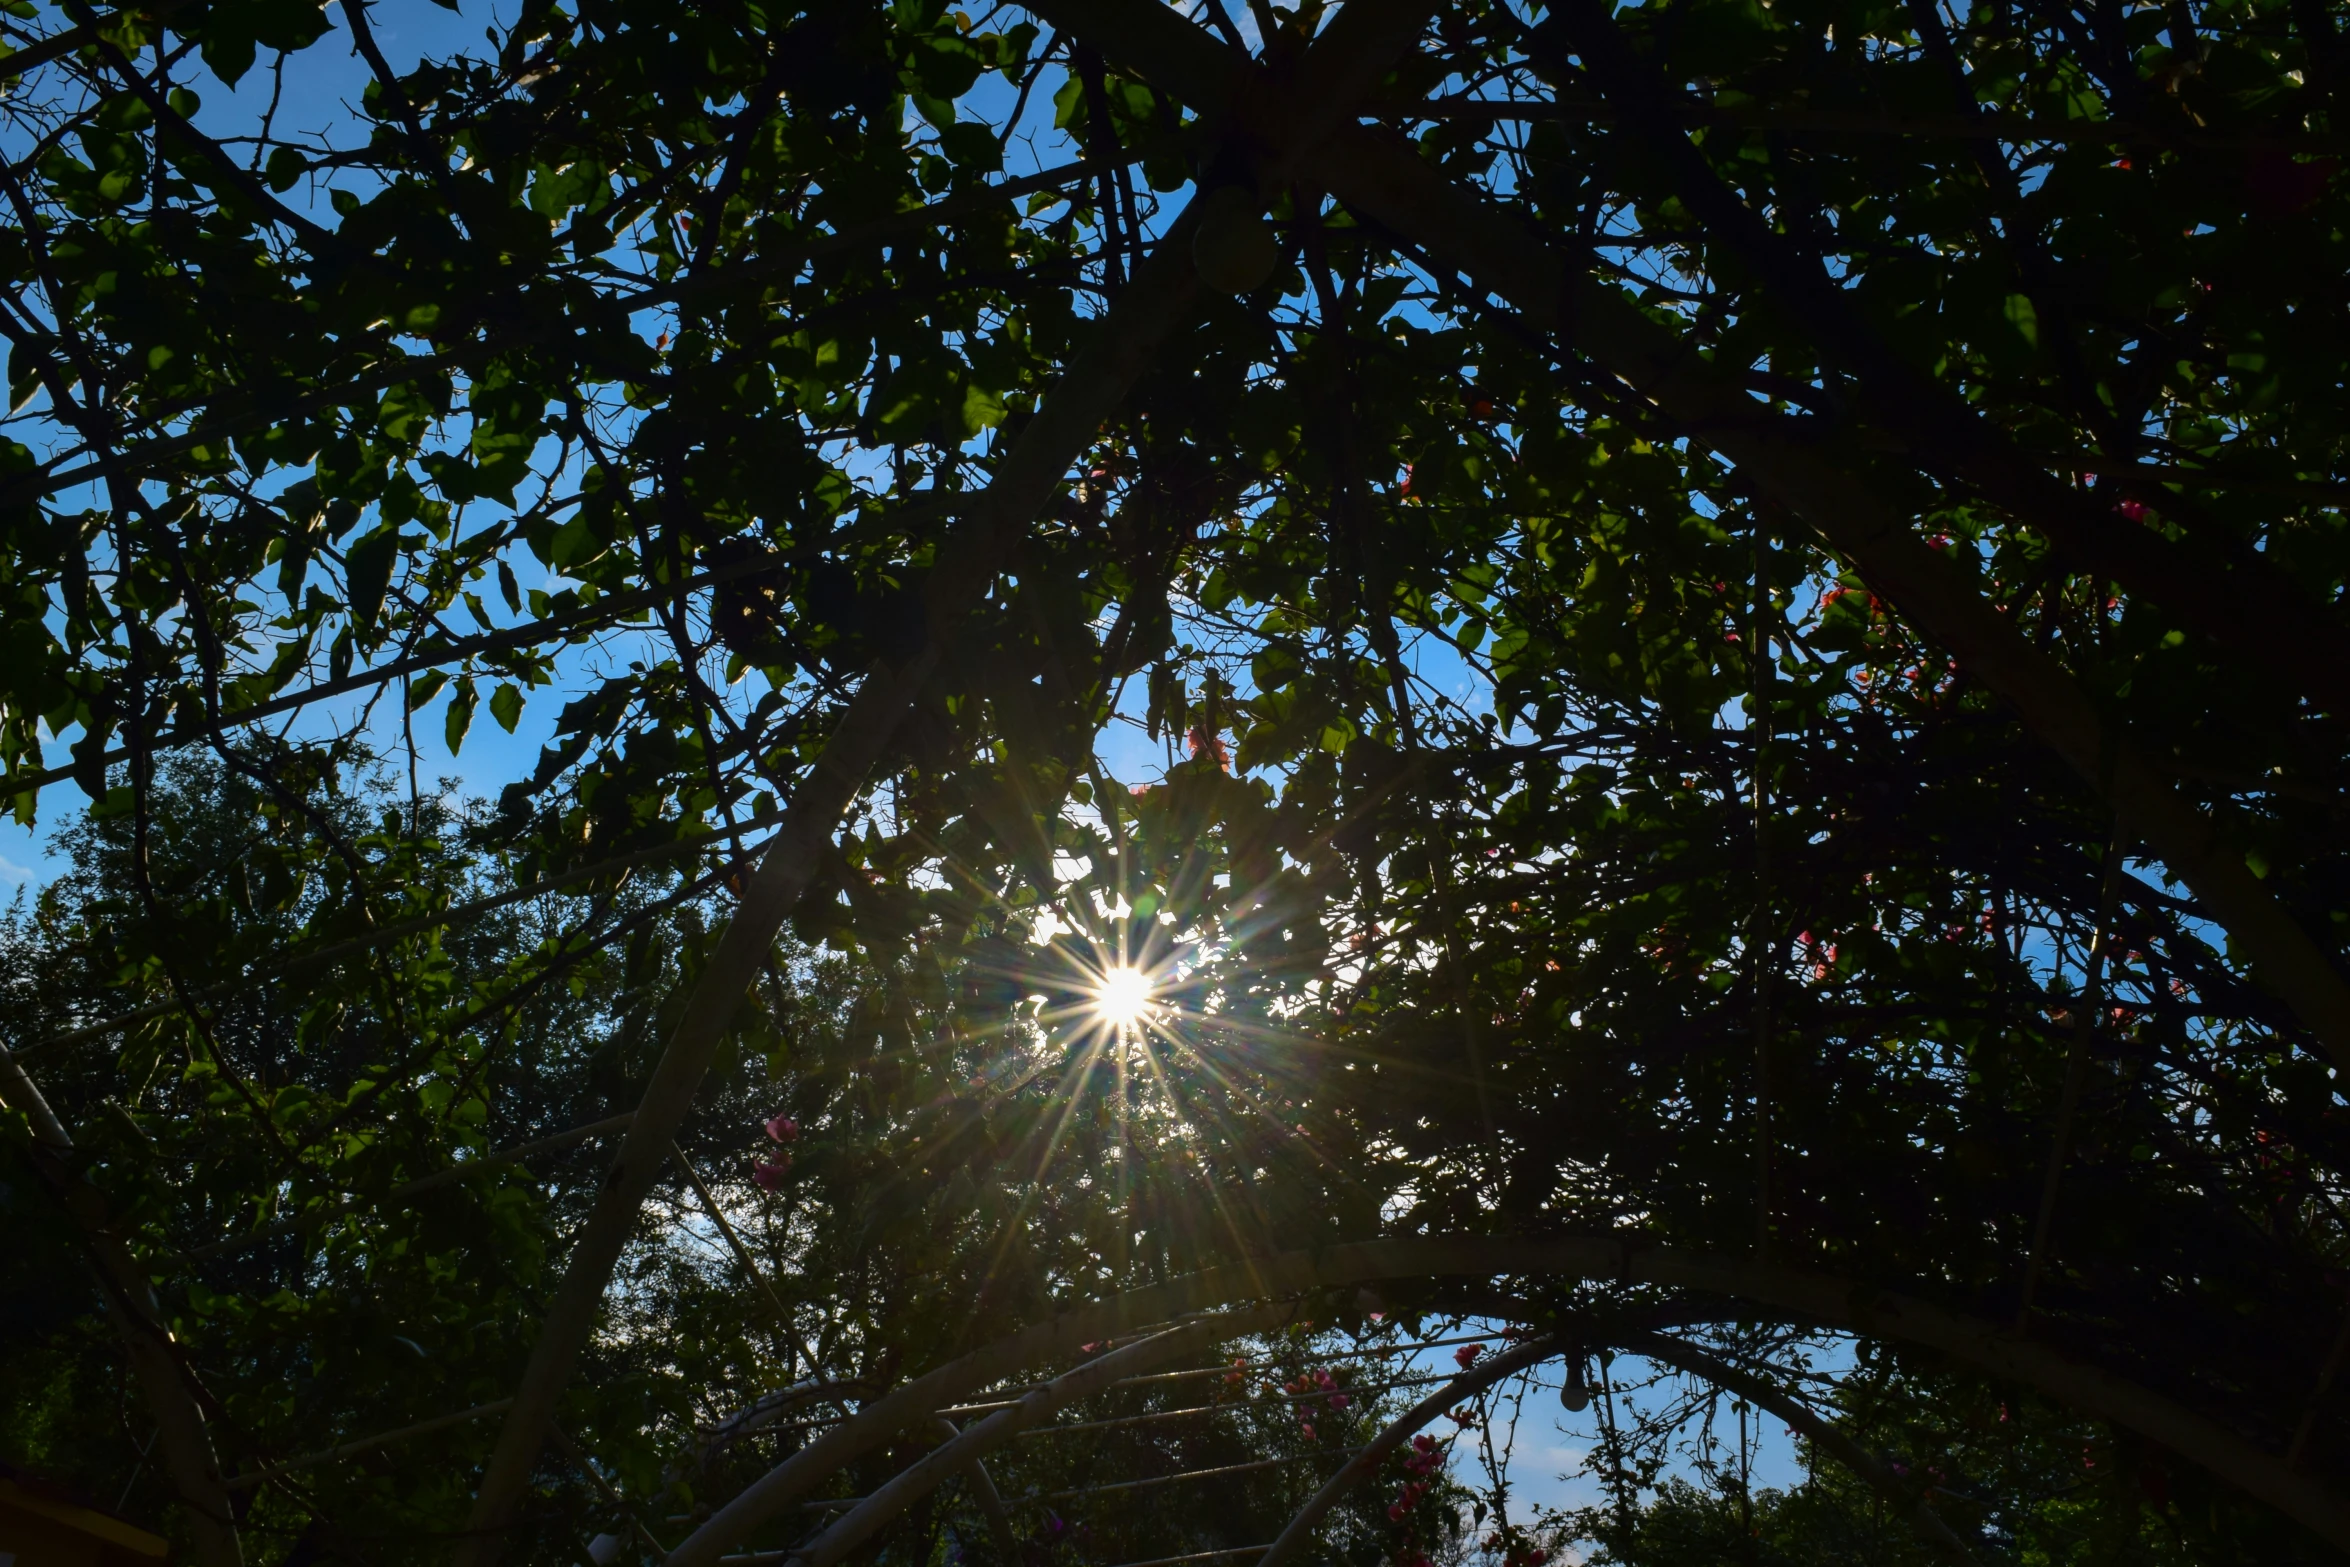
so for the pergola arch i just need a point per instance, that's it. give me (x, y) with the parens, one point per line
(1475, 1379)
(1813, 1296)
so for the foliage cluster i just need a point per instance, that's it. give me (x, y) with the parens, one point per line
(1567, 822)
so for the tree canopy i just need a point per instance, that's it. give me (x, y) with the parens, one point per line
(1666, 673)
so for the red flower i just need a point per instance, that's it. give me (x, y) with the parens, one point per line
(2135, 511)
(768, 1174)
(1467, 1354)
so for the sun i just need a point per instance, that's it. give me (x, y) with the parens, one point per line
(1122, 996)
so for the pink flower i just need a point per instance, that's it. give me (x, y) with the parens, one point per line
(769, 1173)
(1339, 1401)
(1467, 1354)
(783, 1128)
(2134, 510)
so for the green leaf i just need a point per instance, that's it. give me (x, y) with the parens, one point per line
(367, 575)
(506, 706)
(285, 169)
(229, 57)
(982, 409)
(460, 715)
(2026, 320)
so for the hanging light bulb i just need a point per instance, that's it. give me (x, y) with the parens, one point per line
(1576, 1395)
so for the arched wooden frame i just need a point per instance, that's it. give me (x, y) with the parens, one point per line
(1472, 1383)
(1815, 1297)
(1930, 1528)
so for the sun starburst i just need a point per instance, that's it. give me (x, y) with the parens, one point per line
(1122, 997)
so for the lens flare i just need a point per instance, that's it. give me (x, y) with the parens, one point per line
(1123, 996)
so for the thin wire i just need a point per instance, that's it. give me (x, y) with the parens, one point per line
(1193, 1474)
(1015, 1394)
(1199, 1556)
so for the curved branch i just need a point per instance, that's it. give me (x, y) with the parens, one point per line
(1819, 1298)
